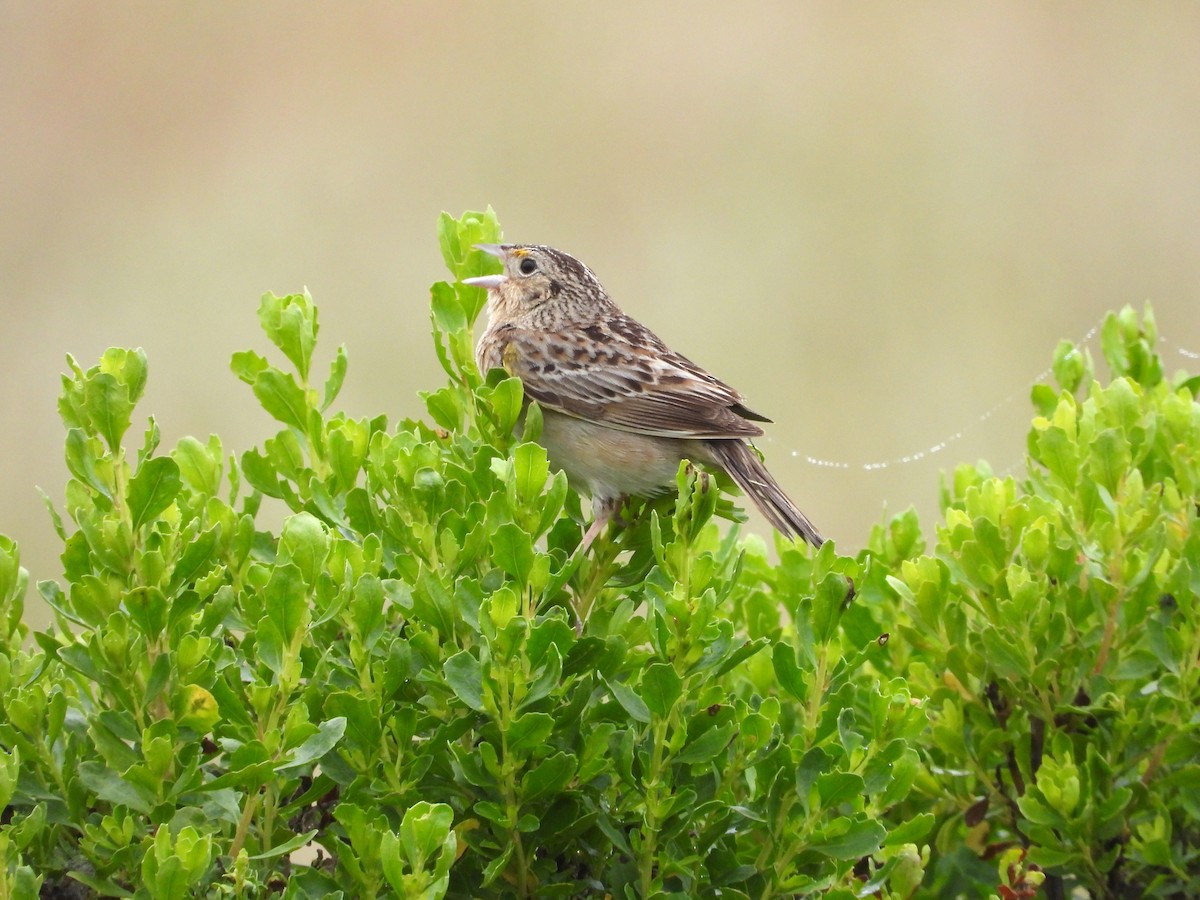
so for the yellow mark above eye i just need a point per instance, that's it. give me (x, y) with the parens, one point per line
(519, 251)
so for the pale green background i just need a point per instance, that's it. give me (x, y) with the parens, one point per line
(875, 219)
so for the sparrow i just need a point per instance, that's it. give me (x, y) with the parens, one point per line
(620, 408)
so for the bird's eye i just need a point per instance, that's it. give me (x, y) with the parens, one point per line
(528, 266)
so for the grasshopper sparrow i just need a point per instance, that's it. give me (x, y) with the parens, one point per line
(620, 408)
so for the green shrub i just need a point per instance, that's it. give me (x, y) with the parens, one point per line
(417, 688)
(1055, 633)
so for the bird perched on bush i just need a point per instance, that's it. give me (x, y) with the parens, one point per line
(620, 408)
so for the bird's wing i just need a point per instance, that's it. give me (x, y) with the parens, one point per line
(618, 373)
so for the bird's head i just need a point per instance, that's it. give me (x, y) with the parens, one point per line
(536, 277)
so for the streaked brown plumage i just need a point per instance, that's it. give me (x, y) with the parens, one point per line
(621, 408)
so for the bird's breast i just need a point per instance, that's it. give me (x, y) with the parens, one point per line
(609, 462)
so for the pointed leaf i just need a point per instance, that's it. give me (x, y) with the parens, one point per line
(661, 687)
(861, 839)
(629, 700)
(327, 737)
(153, 489)
(465, 677)
(282, 398)
(337, 375)
(199, 465)
(513, 551)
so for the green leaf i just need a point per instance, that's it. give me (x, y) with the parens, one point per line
(271, 647)
(457, 239)
(706, 747)
(496, 867)
(1058, 453)
(247, 365)
(153, 489)
(911, 831)
(82, 455)
(629, 700)
(282, 398)
(549, 777)
(661, 688)
(366, 609)
(530, 471)
(337, 376)
(528, 731)
(548, 675)
(291, 324)
(363, 726)
(305, 542)
(452, 251)
(392, 863)
(200, 466)
(112, 788)
(424, 831)
(1052, 857)
(465, 677)
(260, 473)
(446, 407)
(286, 601)
(295, 842)
(1036, 811)
(512, 550)
(446, 309)
(247, 771)
(194, 560)
(108, 408)
(1112, 341)
(148, 609)
(128, 367)
(531, 428)
(1070, 366)
(862, 838)
(787, 671)
(433, 604)
(173, 866)
(838, 787)
(1005, 655)
(329, 733)
(1109, 458)
(55, 518)
(347, 450)
(196, 708)
(10, 764)
(13, 578)
(506, 401)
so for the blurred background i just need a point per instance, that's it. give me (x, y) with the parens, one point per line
(876, 220)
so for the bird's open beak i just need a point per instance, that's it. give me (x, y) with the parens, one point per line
(488, 281)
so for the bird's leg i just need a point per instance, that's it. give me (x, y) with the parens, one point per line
(603, 510)
(591, 534)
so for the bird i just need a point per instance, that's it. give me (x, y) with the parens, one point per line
(620, 408)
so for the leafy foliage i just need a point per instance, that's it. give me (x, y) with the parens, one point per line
(418, 687)
(1055, 632)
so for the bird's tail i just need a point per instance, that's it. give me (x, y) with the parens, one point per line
(743, 466)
